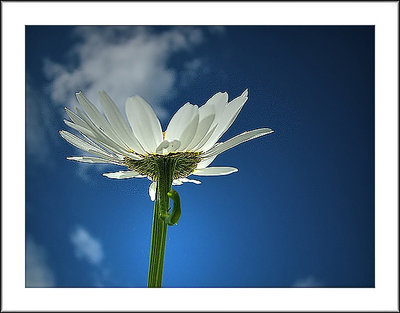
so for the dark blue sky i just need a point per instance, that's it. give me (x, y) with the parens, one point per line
(300, 211)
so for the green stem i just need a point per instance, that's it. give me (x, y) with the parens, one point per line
(165, 169)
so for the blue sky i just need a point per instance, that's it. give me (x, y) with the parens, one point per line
(300, 211)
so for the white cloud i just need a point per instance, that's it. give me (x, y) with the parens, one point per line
(120, 60)
(86, 246)
(38, 273)
(309, 281)
(123, 61)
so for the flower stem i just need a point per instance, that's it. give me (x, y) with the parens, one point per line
(165, 169)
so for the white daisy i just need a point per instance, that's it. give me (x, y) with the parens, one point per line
(190, 141)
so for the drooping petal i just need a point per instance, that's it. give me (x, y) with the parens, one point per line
(243, 137)
(214, 171)
(152, 190)
(119, 123)
(180, 181)
(123, 175)
(226, 119)
(187, 180)
(144, 122)
(85, 159)
(177, 182)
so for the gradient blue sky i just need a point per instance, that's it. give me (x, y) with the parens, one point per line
(300, 211)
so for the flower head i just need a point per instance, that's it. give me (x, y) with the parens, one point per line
(190, 141)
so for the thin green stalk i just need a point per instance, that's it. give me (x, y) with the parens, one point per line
(159, 229)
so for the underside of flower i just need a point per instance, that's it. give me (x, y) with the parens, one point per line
(188, 145)
(182, 164)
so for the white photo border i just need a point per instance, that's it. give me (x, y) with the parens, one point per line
(383, 15)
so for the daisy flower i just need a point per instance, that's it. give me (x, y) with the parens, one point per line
(187, 147)
(190, 142)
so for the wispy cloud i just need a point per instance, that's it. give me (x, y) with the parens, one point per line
(38, 273)
(191, 70)
(124, 61)
(309, 281)
(86, 246)
(87, 171)
(40, 126)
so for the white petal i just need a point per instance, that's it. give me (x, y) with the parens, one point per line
(206, 118)
(175, 124)
(168, 146)
(152, 190)
(215, 171)
(97, 118)
(177, 182)
(187, 180)
(123, 175)
(114, 158)
(180, 181)
(173, 146)
(180, 121)
(83, 145)
(77, 120)
(92, 160)
(119, 123)
(144, 122)
(101, 137)
(162, 147)
(80, 129)
(216, 104)
(226, 118)
(201, 144)
(243, 137)
(189, 132)
(218, 101)
(83, 124)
